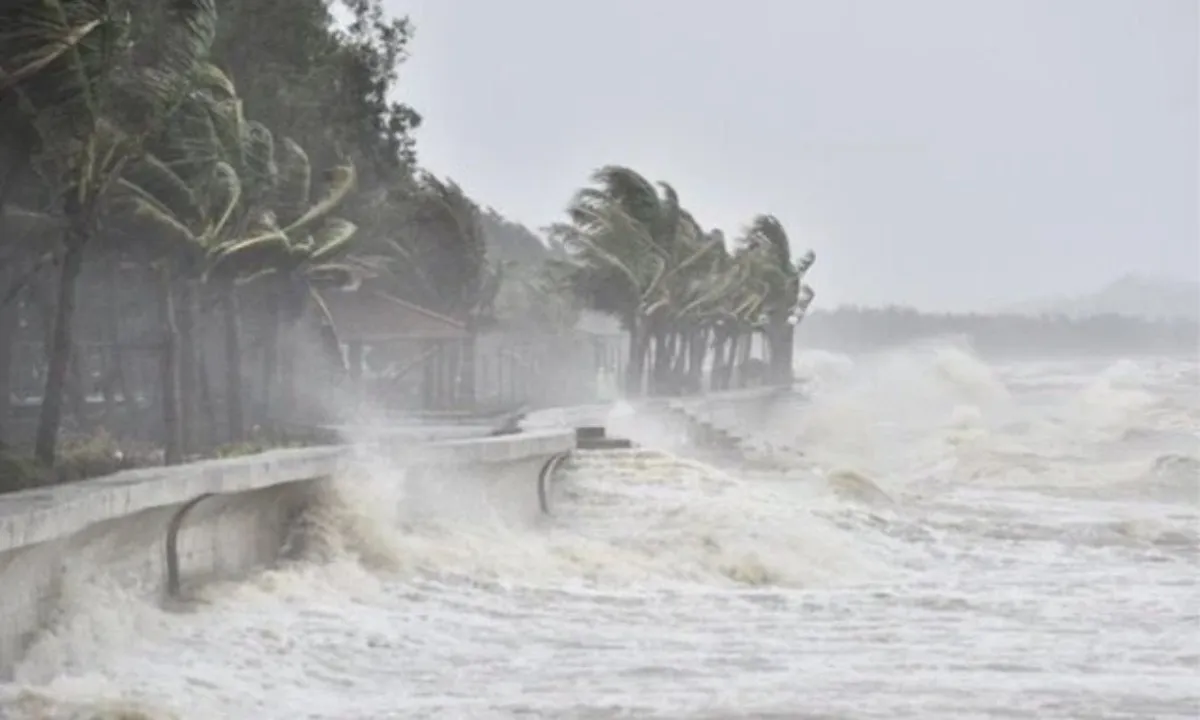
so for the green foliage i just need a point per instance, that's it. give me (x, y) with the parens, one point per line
(253, 447)
(632, 251)
(19, 473)
(256, 148)
(79, 458)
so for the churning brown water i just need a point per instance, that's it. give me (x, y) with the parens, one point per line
(957, 541)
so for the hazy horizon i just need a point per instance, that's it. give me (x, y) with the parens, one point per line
(939, 154)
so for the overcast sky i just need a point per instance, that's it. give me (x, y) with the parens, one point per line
(940, 153)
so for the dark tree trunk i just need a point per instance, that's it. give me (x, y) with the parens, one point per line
(270, 352)
(451, 370)
(732, 353)
(635, 369)
(469, 349)
(745, 352)
(8, 338)
(718, 355)
(169, 364)
(115, 380)
(50, 418)
(111, 322)
(662, 363)
(185, 313)
(780, 339)
(77, 388)
(211, 430)
(15, 165)
(286, 355)
(699, 351)
(235, 411)
(681, 348)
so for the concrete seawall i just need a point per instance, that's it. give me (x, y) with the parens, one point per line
(156, 531)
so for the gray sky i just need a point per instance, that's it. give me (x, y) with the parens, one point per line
(940, 153)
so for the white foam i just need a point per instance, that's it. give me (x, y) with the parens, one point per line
(951, 539)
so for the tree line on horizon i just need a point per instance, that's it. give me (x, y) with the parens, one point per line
(233, 160)
(851, 328)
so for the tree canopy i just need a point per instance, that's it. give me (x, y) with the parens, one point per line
(252, 157)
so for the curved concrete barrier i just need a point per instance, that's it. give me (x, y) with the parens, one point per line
(173, 582)
(158, 531)
(545, 477)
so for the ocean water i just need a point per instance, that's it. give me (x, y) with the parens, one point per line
(939, 538)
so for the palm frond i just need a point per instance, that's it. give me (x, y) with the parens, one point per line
(250, 255)
(295, 181)
(341, 182)
(333, 239)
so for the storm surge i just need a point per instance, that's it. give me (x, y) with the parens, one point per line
(942, 538)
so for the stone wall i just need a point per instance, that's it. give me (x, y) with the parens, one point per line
(227, 517)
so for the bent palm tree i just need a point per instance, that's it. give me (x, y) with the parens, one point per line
(92, 108)
(768, 244)
(629, 248)
(292, 252)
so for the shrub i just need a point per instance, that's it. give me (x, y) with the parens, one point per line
(19, 473)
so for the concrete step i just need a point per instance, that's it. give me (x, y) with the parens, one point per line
(589, 433)
(603, 443)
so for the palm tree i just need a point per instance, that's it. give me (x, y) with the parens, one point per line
(92, 108)
(451, 250)
(207, 173)
(628, 244)
(439, 260)
(291, 251)
(738, 317)
(769, 246)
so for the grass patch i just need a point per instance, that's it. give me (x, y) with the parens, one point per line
(253, 447)
(79, 458)
(99, 454)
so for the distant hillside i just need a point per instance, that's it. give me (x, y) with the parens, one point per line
(1132, 295)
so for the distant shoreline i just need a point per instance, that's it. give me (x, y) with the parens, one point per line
(854, 330)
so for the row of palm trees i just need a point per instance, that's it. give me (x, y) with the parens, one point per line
(134, 161)
(122, 154)
(690, 305)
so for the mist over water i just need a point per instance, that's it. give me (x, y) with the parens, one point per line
(942, 538)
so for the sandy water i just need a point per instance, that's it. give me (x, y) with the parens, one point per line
(958, 540)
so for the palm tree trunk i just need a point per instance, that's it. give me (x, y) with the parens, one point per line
(635, 369)
(452, 370)
(788, 345)
(780, 338)
(208, 438)
(699, 350)
(288, 391)
(107, 366)
(50, 417)
(681, 355)
(270, 351)
(77, 390)
(8, 339)
(732, 353)
(186, 320)
(662, 362)
(9, 316)
(115, 371)
(718, 359)
(470, 347)
(169, 362)
(233, 362)
(745, 352)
